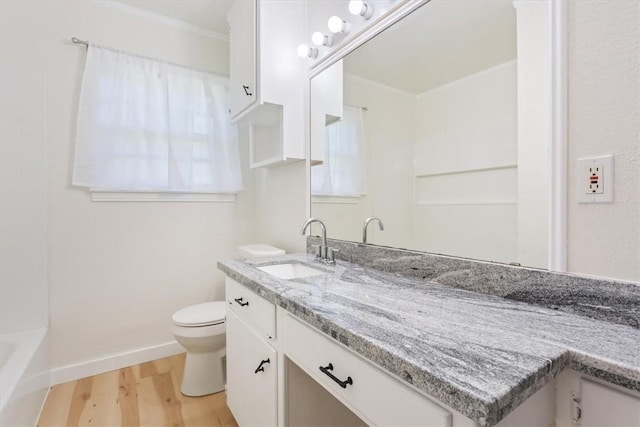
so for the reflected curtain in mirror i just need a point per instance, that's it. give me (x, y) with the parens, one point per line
(342, 173)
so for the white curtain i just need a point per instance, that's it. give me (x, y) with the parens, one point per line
(152, 126)
(342, 172)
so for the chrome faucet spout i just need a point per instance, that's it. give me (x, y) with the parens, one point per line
(366, 224)
(322, 227)
(324, 252)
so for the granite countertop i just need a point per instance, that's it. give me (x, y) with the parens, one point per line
(481, 354)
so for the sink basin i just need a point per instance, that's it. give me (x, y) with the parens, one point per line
(291, 271)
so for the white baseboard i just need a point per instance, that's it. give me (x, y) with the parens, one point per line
(89, 368)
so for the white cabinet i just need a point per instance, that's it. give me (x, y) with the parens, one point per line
(252, 380)
(602, 405)
(587, 402)
(259, 313)
(373, 395)
(259, 380)
(268, 79)
(242, 63)
(252, 362)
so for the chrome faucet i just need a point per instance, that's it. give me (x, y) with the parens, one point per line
(323, 252)
(366, 223)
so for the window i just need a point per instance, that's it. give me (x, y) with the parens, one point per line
(145, 125)
(342, 172)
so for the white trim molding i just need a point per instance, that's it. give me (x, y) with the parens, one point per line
(99, 195)
(112, 362)
(558, 50)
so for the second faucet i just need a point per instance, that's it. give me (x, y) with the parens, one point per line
(366, 224)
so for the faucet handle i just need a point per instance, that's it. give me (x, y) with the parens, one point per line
(331, 255)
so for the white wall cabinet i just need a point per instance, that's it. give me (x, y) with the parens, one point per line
(252, 378)
(268, 79)
(242, 62)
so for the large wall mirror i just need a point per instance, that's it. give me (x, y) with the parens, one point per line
(433, 126)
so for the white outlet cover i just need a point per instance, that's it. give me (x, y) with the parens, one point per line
(606, 178)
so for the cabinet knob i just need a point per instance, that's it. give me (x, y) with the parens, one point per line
(246, 90)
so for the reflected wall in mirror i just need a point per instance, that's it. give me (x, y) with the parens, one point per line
(437, 126)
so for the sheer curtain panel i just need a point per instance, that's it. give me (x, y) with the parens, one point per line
(146, 125)
(342, 172)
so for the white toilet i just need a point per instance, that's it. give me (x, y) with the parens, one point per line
(200, 329)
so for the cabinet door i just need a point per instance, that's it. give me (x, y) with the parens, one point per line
(605, 406)
(251, 375)
(242, 61)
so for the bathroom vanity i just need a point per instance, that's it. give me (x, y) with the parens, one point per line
(390, 349)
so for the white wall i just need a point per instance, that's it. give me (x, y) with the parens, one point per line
(23, 177)
(604, 118)
(117, 271)
(280, 194)
(465, 162)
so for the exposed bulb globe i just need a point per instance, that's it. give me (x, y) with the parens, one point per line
(357, 7)
(303, 51)
(336, 24)
(317, 38)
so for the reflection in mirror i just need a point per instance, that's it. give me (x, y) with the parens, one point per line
(420, 126)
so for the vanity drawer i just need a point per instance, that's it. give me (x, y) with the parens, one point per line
(373, 394)
(251, 307)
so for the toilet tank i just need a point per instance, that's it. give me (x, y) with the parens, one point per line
(258, 250)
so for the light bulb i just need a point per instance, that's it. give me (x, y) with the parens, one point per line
(359, 7)
(305, 51)
(338, 25)
(320, 39)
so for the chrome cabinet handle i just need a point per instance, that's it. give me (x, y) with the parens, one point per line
(329, 367)
(240, 301)
(260, 367)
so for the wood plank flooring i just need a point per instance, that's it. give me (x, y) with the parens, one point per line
(141, 395)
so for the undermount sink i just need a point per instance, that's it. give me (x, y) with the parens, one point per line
(291, 271)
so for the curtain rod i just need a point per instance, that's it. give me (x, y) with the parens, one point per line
(358, 106)
(85, 43)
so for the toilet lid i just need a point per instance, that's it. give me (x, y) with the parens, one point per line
(205, 314)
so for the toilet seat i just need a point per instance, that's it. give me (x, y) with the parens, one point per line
(205, 314)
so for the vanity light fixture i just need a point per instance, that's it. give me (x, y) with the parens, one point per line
(320, 39)
(362, 8)
(305, 51)
(338, 25)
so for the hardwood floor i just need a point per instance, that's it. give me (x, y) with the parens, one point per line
(141, 395)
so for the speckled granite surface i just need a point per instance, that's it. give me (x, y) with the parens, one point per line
(480, 354)
(610, 300)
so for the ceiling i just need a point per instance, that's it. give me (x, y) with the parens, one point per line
(210, 15)
(441, 42)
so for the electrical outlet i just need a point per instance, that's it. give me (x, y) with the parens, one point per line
(594, 179)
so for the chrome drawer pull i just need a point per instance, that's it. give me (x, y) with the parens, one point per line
(240, 301)
(260, 367)
(329, 367)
